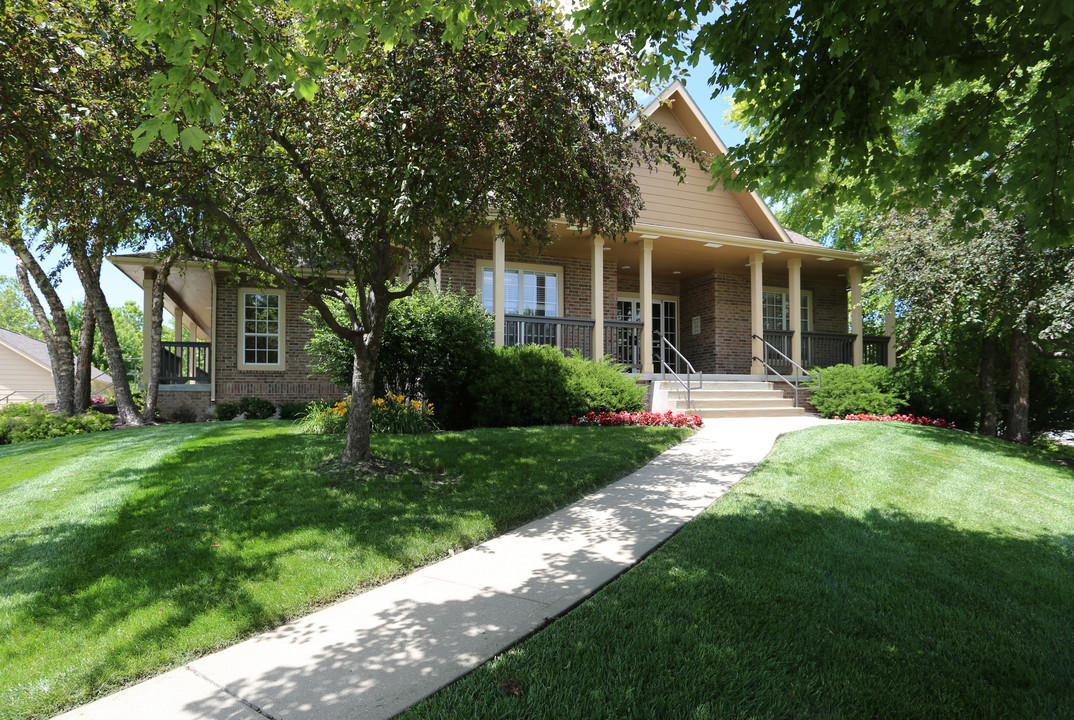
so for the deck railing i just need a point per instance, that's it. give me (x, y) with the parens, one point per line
(185, 362)
(823, 349)
(564, 333)
(622, 342)
(874, 349)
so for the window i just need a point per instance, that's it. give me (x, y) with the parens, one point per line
(526, 292)
(776, 309)
(261, 329)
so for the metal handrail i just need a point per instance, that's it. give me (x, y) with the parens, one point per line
(664, 342)
(802, 370)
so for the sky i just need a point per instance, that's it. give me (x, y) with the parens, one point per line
(118, 288)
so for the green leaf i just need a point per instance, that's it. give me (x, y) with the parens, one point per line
(305, 88)
(169, 132)
(193, 137)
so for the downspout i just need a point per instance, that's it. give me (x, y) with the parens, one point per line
(215, 350)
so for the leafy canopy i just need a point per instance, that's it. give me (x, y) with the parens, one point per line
(831, 83)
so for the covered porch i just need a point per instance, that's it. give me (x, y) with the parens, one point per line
(719, 303)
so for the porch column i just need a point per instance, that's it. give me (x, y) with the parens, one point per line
(499, 271)
(597, 292)
(756, 312)
(148, 276)
(178, 324)
(854, 274)
(889, 330)
(645, 285)
(794, 289)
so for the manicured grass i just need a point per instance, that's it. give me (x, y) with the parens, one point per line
(127, 552)
(868, 570)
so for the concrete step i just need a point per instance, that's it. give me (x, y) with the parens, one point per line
(719, 403)
(745, 412)
(741, 395)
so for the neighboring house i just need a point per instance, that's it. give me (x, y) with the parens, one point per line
(706, 270)
(26, 371)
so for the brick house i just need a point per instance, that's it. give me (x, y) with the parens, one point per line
(704, 275)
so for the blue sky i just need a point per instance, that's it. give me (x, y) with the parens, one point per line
(118, 288)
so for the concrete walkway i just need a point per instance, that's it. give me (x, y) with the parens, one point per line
(378, 653)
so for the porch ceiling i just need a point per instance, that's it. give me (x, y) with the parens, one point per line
(677, 258)
(190, 287)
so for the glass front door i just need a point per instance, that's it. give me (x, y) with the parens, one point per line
(665, 320)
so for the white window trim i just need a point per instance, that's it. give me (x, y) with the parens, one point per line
(557, 270)
(240, 316)
(809, 303)
(637, 296)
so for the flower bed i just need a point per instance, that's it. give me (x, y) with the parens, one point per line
(643, 419)
(912, 419)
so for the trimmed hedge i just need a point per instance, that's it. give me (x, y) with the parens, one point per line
(848, 390)
(538, 385)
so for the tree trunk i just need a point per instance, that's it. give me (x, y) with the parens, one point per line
(57, 334)
(91, 283)
(1018, 412)
(84, 368)
(358, 416)
(152, 380)
(986, 374)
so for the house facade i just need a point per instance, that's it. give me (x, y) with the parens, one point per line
(707, 280)
(26, 371)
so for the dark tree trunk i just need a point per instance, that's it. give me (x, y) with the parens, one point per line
(1018, 411)
(358, 416)
(91, 283)
(57, 334)
(986, 374)
(84, 369)
(152, 379)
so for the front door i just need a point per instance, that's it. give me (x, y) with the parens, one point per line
(665, 320)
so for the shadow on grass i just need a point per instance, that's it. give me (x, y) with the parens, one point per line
(193, 558)
(777, 611)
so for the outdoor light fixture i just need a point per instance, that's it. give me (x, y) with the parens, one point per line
(713, 244)
(825, 259)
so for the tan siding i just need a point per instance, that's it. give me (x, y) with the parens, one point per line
(18, 373)
(689, 205)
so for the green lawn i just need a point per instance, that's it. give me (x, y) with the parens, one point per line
(868, 570)
(126, 552)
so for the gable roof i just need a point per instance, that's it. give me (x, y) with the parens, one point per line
(36, 352)
(696, 125)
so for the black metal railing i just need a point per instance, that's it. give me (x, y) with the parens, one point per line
(785, 362)
(777, 346)
(622, 342)
(185, 362)
(874, 349)
(827, 349)
(564, 333)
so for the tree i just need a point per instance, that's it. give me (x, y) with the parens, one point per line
(994, 292)
(833, 82)
(403, 154)
(127, 319)
(15, 313)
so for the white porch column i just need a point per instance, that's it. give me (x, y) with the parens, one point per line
(794, 289)
(854, 275)
(499, 271)
(148, 276)
(645, 285)
(889, 330)
(179, 324)
(597, 293)
(756, 311)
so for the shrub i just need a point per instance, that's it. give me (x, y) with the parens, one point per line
(256, 408)
(389, 414)
(20, 422)
(293, 410)
(433, 347)
(596, 387)
(537, 385)
(847, 390)
(184, 415)
(226, 410)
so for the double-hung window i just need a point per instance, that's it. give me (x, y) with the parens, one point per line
(776, 309)
(526, 292)
(261, 329)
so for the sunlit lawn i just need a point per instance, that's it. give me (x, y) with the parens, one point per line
(869, 570)
(127, 552)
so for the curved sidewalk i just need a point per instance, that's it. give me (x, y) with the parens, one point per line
(377, 653)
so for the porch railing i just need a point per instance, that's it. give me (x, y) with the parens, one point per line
(771, 350)
(665, 368)
(185, 362)
(622, 340)
(874, 349)
(827, 349)
(564, 333)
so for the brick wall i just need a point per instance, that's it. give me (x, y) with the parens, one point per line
(830, 312)
(182, 397)
(698, 299)
(294, 383)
